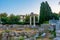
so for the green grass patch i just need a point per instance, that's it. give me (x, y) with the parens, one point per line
(46, 22)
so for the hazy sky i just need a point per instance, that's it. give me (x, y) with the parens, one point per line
(22, 7)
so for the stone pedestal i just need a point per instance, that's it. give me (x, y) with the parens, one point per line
(57, 35)
(57, 31)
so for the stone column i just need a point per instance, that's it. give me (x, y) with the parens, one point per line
(30, 20)
(34, 20)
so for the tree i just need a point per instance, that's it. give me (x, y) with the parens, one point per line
(3, 17)
(59, 14)
(4, 20)
(36, 19)
(13, 19)
(45, 12)
(55, 16)
(27, 19)
(17, 18)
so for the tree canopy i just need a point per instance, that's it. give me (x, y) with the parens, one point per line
(46, 13)
(12, 19)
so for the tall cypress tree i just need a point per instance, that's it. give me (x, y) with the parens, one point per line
(48, 11)
(45, 12)
(41, 17)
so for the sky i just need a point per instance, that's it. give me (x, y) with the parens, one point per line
(22, 7)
